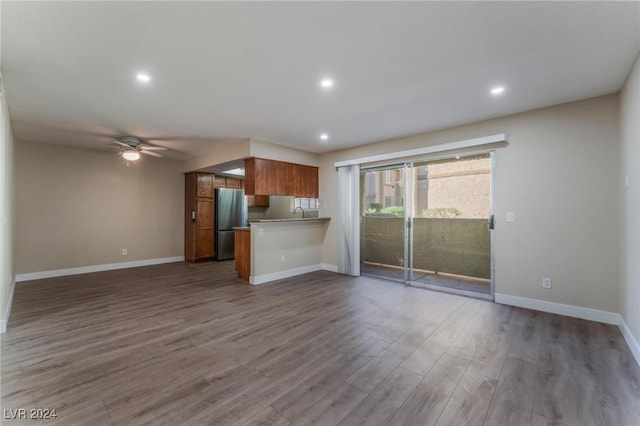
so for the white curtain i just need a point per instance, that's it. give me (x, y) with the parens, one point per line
(349, 220)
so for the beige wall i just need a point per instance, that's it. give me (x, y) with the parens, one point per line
(630, 235)
(222, 153)
(238, 150)
(299, 242)
(79, 207)
(272, 151)
(558, 174)
(7, 272)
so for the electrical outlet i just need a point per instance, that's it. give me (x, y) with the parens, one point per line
(260, 232)
(511, 217)
(282, 258)
(546, 282)
(124, 252)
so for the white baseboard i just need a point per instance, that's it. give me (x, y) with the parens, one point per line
(7, 313)
(265, 278)
(559, 308)
(329, 267)
(95, 268)
(631, 341)
(576, 312)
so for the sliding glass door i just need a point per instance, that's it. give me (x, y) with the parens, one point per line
(426, 224)
(451, 236)
(383, 234)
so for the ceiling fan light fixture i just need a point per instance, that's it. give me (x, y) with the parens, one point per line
(131, 155)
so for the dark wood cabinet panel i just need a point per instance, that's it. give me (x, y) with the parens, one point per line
(190, 183)
(204, 228)
(299, 181)
(219, 181)
(204, 244)
(204, 185)
(271, 177)
(243, 253)
(265, 179)
(233, 183)
(204, 213)
(257, 201)
(250, 176)
(284, 178)
(312, 182)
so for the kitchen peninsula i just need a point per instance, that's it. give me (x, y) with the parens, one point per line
(272, 249)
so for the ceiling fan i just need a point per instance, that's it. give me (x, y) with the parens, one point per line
(131, 147)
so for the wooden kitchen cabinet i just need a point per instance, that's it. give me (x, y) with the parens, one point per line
(298, 181)
(311, 177)
(271, 177)
(219, 181)
(204, 228)
(198, 216)
(257, 201)
(204, 184)
(233, 183)
(284, 177)
(242, 252)
(199, 212)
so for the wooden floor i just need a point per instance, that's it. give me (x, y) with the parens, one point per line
(439, 280)
(184, 344)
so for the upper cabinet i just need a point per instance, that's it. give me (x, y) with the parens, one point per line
(234, 183)
(219, 181)
(271, 177)
(204, 185)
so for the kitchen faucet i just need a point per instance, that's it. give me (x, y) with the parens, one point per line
(294, 211)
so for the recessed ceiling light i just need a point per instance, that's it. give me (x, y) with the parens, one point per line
(498, 90)
(324, 136)
(326, 83)
(143, 78)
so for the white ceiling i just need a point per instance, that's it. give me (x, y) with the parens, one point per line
(223, 71)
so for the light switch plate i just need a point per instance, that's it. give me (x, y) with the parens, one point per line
(260, 232)
(511, 217)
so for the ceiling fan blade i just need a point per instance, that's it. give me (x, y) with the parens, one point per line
(123, 144)
(154, 148)
(153, 154)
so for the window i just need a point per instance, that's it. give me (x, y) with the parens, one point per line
(387, 177)
(306, 203)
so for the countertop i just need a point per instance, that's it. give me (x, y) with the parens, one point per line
(291, 219)
(241, 228)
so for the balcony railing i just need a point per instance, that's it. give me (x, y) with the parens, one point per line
(455, 246)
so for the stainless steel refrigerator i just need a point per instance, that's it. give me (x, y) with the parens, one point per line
(231, 211)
